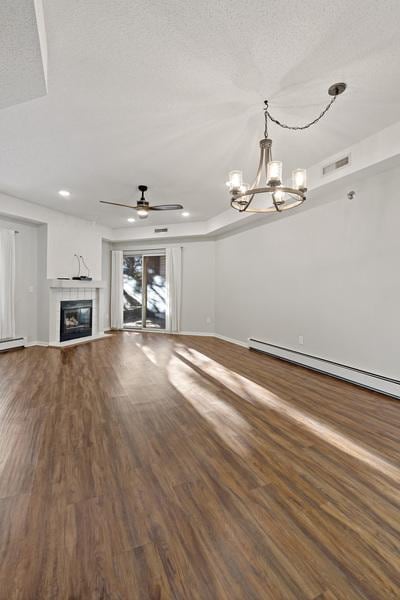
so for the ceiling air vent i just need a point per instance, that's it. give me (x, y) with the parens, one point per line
(161, 230)
(338, 164)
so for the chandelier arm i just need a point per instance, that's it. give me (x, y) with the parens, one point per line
(259, 169)
(239, 206)
(292, 196)
(255, 182)
(244, 207)
(296, 193)
(272, 209)
(262, 211)
(293, 205)
(275, 202)
(295, 127)
(250, 201)
(237, 203)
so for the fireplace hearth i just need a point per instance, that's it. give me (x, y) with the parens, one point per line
(75, 319)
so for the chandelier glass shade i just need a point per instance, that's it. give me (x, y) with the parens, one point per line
(281, 195)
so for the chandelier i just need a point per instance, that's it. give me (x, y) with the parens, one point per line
(282, 197)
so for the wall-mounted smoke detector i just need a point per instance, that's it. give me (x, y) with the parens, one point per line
(338, 164)
(161, 230)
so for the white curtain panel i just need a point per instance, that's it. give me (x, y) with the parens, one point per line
(7, 284)
(174, 288)
(117, 298)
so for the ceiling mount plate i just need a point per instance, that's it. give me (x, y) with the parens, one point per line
(336, 89)
(142, 188)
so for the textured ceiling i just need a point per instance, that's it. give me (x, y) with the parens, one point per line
(22, 70)
(170, 93)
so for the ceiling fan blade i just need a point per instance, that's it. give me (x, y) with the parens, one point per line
(117, 204)
(166, 207)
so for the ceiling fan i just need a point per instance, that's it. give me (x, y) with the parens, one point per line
(143, 207)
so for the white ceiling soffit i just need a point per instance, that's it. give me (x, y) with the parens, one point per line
(170, 94)
(23, 52)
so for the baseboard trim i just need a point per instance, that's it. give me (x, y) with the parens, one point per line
(75, 342)
(199, 333)
(372, 381)
(9, 344)
(231, 340)
(36, 343)
(164, 331)
(193, 333)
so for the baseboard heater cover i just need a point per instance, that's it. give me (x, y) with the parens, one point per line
(372, 381)
(8, 344)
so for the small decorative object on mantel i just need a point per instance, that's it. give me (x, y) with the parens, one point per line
(80, 277)
(283, 197)
(87, 276)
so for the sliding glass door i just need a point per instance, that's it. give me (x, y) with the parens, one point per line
(133, 291)
(144, 291)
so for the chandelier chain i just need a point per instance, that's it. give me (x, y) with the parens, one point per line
(294, 127)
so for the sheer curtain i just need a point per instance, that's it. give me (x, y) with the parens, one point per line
(174, 288)
(117, 289)
(7, 284)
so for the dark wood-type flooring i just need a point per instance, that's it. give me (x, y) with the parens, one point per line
(156, 466)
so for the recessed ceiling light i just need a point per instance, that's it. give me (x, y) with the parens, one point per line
(131, 220)
(64, 193)
(185, 214)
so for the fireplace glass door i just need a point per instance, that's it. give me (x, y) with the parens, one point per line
(144, 291)
(75, 319)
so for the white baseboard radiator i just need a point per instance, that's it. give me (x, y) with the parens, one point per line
(9, 343)
(372, 381)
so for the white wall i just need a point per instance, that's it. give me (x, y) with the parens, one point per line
(198, 293)
(27, 255)
(198, 282)
(330, 274)
(66, 236)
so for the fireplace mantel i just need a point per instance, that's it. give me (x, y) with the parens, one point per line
(76, 283)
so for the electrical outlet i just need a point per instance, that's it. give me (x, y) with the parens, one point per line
(208, 320)
(30, 289)
(301, 340)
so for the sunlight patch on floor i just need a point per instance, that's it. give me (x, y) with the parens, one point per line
(230, 426)
(259, 396)
(148, 352)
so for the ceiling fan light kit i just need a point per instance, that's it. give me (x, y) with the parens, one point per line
(143, 207)
(282, 197)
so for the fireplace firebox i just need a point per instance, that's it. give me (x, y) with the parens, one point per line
(75, 319)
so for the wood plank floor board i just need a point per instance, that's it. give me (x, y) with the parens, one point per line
(140, 574)
(149, 466)
(306, 555)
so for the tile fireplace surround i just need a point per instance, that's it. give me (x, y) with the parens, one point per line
(60, 290)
